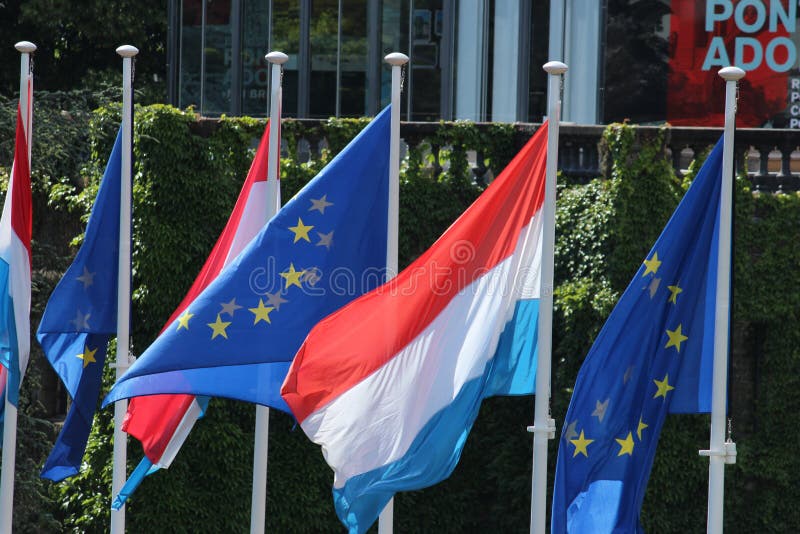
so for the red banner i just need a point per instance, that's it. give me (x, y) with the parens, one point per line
(759, 36)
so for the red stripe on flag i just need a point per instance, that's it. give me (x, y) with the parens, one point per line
(154, 419)
(352, 343)
(22, 204)
(3, 377)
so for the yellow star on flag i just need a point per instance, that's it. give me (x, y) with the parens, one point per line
(87, 356)
(625, 445)
(676, 337)
(673, 298)
(219, 327)
(292, 277)
(663, 387)
(642, 426)
(580, 445)
(300, 231)
(261, 312)
(183, 320)
(652, 265)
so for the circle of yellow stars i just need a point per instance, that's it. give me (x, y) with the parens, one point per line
(291, 277)
(675, 338)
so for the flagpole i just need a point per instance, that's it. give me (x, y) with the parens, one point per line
(123, 283)
(258, 504)
(396, 60)
(543, 425)
(721, 452)
(25, 49)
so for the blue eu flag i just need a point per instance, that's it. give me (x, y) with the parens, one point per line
(324, 248)
(653, 356)
(80, 317)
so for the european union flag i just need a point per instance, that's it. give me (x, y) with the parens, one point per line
(324, 248)
(653, 356)
(80, 317)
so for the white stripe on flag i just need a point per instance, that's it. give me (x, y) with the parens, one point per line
(15, 254)
(252, 221)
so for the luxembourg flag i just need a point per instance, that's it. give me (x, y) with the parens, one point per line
(15, 268)
(163, 422)
(391, 384)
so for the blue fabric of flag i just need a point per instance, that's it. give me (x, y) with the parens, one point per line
(325, 247)
(80, 318)
(652, 357)
(8, 342)
(9, 357)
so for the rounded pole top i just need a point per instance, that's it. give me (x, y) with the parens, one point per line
(555, 67)
(277, 58)
(731, 74)
(127, 50)
(396, 59)
(25, 47)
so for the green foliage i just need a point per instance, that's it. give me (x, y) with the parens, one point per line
(77, 41)
(186, 179)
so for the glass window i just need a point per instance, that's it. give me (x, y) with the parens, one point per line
(218, 58)
(471, 58)
(324, 38)
(353, 63)
(425, 67)
(331, 62)
(286, 39)
(636, 60)
(394, 38)
(422, 85)
(255, 69)
(191, 53)
(539, 55)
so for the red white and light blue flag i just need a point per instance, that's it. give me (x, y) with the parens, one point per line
(15, 267)
(391, 384)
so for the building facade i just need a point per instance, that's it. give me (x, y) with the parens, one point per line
(649, 61)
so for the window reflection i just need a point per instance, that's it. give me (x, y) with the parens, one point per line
(353, 82)
(255, 69)
(336, 50)
(286, 38)
(218, 58)
(426, 72)
(191, 54)
(324, 38)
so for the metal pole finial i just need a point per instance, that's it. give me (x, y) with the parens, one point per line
(276, 58)
(396, 59)
(127, 50)
(555, 67)
(731, 74)
(25, 47)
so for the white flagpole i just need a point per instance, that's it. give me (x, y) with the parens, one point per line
(543, 426)
(123, 283)
(396, 60)
(25, 49)
(721, 452)
(258, 505)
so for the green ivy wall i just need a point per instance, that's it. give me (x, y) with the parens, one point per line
(186, 181)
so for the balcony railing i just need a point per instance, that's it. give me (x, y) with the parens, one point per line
(771, 156)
